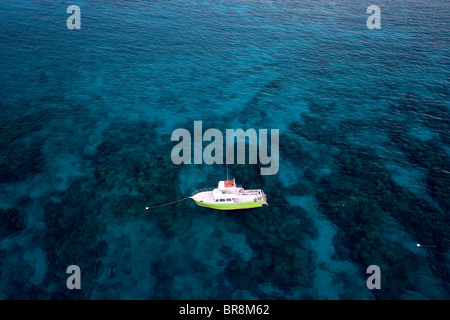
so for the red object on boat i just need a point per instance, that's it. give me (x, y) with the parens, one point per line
(229, 183)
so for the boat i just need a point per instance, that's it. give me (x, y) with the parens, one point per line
(228, 196)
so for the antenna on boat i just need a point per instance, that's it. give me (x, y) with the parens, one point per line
(227, 171)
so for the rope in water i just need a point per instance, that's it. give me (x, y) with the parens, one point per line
(308, 204)
(276, 204)
(287, 204)
(166, 204)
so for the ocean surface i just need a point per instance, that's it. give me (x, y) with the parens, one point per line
(86, 118)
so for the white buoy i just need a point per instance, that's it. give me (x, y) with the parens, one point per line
(425, 246)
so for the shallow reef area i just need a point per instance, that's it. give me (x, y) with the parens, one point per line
(85, 147)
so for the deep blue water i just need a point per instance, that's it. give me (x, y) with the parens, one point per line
(86, 120)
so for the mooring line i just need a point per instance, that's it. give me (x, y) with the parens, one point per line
(307, 204)
(275, 204)
(166, 204)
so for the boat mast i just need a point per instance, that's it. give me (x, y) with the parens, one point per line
(227, 171)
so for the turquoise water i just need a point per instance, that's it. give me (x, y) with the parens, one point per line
(86, 120)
